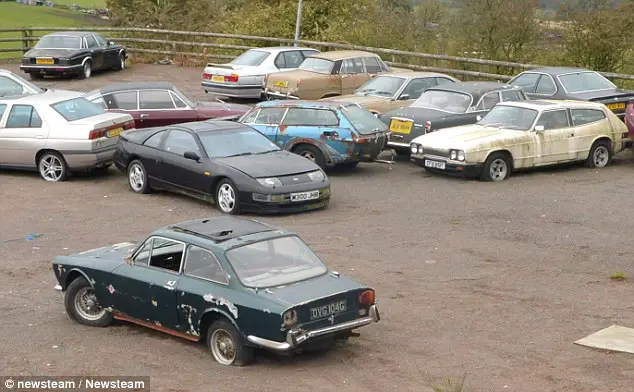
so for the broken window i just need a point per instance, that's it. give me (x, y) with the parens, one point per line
(167, 254)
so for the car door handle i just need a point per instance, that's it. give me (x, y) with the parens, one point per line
(168, 287)
(144, 115)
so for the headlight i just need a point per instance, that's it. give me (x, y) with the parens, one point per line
(316, 176)
(269, 182)
(420, 149)
(414, 148)
(456, 155)
(461, 155)
(289, 318)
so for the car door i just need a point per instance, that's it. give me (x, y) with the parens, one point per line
(352, 74)
(110, 53)
(555, 136)
(22, 135)
(587, 124)
(124, 102)
(152, 155)
(268, 122)
(96, 53)
(180, 173)
(157, 108)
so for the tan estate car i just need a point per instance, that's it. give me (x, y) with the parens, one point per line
(324, 75)
(523, 134)
(391, 91)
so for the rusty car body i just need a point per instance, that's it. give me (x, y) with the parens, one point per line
(524, 134)
(235, 283)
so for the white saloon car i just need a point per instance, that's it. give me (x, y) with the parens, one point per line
(244, 77)
(57, 132)
(13, 85)
(523, 134)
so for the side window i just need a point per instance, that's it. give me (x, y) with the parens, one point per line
(512, 95)
(372, 65)
(528, 81)
(250, 117)
(488, 101)
(443, 81)
(177, 101)
(23, 116)
(416, 87)
(555, 119)
(270, 115)
(546, 86)
(314, 117)
(307, 53)
(201, 263)
(143, 256)
(154, 140)
(92, 43)
(357, 66)
(586, 116)
(101, 41)
(280, 61)
(352, 66)
(10, 87)
(180, 142)
(155, 99)
(125, 100)
(3, 108)
(293, 59)
(167, 254)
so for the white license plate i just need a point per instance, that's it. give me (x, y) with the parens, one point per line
(435, 164)
(327, 310)
(303, 196)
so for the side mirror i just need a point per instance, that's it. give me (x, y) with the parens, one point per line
(192, 155)
(539, 128)
(478, 117)
(110, 43)
(403, 97)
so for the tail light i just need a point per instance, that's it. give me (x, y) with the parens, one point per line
(367, 298)
(289, 318)
(298, 82)
(206, 75)
(232, 78)
(428, 126)
(103, 132)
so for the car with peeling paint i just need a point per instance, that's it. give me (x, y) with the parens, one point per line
(234, 283)
(521, 135)
(328, 133)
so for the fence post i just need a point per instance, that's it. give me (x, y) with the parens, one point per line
(26, 33)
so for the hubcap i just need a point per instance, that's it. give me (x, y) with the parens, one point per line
(136, 178)
(87, 305)
(600, 157)
(122, 62)
(87, 70)
(498, 170)
(308, 155)
(222, 347)
(226, 198)
(51, 168)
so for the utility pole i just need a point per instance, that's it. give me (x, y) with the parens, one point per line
(298, 23)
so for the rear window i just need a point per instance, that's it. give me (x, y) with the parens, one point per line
(314, 117)
(314, 64)
(362, 120)
(77, 109)
(251, 57)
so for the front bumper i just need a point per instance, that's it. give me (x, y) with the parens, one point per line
(297, 337)
(455, 168)
(279, 95)
(281, 203)
(232, 91)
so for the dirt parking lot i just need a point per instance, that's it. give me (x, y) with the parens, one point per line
(491, 281)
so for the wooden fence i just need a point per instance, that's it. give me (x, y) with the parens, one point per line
(224, 47)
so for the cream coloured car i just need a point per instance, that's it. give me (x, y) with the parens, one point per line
(523, 134)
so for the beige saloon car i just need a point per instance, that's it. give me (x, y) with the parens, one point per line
(326, 74)
(391, 91)
(523, 134)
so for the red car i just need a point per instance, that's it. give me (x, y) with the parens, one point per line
(158, 103)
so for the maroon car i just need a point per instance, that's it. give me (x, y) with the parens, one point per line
(154, 104)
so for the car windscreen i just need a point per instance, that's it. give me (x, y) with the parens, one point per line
(449, 101)
(190, 102)
(232, 142)
(77, 109)
(381, 86)
(58, 42)
(584, 81)
(509, 117)
(275, 262)
(315, 64)
(362, 120)
(251, 57)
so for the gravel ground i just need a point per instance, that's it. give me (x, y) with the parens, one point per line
(491, 281)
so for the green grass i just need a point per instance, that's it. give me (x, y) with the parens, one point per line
(82, 3)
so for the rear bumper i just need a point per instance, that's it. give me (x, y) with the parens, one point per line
(81, 160)
(233, 91)
(279, 95)
(296, 337)
(51, 69)
(470, 170)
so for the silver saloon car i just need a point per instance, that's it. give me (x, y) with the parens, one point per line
(57, 133)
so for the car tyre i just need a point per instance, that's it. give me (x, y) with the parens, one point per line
(137, 177)
(496, 168)
(228, 197)
(312, 153)
(82, 305)
(86, 70)
(600, 155)
(52, 167)
(121, 65)
(227, 346)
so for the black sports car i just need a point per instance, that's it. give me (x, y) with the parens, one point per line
(444, 106)
(224, 162)
(75, 53)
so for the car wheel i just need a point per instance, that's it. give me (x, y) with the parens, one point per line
(82, 305)
(137, 177)
(496, 168)
(86, 70)
(600, 155)
(226, 345)
(311, 152)
(228, 197)
(52, 167)
(121, 64)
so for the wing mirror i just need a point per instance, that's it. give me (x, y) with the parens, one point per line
(192, 155)
(478, 117)
(403, 97)
(110, 43)
(539, 128)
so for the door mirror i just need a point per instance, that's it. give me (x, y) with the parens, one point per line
(478, 117)
(539, 128)
(110, 43)
(192, 155)
(404, 97)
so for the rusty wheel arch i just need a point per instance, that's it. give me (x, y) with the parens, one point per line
(74, 274)
(213, 314)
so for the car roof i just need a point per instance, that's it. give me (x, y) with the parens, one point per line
(554, 71)
(72, 33)
(277, 49)
(219, 229)
(474, 88)
(545, 104)
(415, 74)
(303, 104)
(47, 97)
(114, 87)
(342, 54)
(211, 125)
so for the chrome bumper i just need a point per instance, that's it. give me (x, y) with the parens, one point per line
(58, 287)
(276, 94)
(296, 337)
(397, 144)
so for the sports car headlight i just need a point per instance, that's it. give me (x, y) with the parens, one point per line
(414, 148)
(420, 149)
(460, 155)
(453, 155)
(316, 176)
(456, 155)
(289, 318)
(271, 182)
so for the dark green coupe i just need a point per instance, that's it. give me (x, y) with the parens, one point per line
(238, 283)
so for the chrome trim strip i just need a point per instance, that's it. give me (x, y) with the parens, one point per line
(279, 95)
(397, 144)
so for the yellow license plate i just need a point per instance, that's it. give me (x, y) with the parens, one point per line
(114, 132)
(218, 78)
(401, 126)
(616, 106)
(280, 84)
(44, 61)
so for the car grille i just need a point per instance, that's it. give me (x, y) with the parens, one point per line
(436, 152)
(295, 179)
